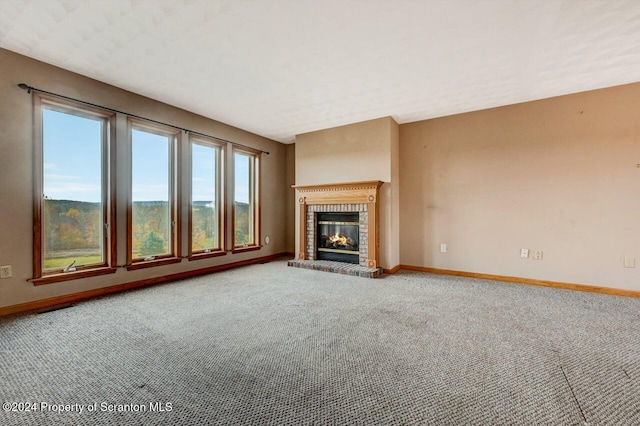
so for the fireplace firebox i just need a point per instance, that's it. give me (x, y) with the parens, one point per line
(338, 237)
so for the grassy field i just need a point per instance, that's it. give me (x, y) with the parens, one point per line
(66, 261)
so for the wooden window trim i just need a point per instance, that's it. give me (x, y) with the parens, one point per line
(256, 194)
(220, 199)
(251, 247)
(158, 261)
(40, 101)
(68, 276)
(174, 196)
(216, 253)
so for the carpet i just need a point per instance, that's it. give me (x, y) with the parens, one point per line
(270, 344)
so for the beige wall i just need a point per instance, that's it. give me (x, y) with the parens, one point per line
(16, 176)
(291, 199)
(559, 175)
(357, 152)
(393, 232)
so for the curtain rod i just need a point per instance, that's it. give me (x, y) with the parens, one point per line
(30, 89)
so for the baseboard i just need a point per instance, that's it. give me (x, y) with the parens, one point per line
(77, 297)
(531, 281)
(392, 270)
(84, 295)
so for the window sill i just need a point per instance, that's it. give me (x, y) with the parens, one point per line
(76, 275)
(202, 255)
(151, 263)
(243, 249)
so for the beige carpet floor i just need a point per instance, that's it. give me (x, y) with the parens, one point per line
(270, 344)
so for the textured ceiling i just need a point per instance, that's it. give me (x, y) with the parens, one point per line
(284, 67)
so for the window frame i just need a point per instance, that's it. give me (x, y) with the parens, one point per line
(220, 198)
(254, 196)
(175, 138)
(108, 152)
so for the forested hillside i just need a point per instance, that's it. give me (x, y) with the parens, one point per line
(73, 230)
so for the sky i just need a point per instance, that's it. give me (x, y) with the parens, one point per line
(72, 165)
(241, 178)
(71, 157)
(149, 166)
(204, 172)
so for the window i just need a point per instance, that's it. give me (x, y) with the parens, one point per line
(73, 191)
(245, 201)
(153, 214)
(206, 236)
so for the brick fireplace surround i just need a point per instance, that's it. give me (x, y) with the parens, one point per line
(361, 197)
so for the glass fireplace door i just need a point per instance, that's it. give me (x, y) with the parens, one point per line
(338, 237)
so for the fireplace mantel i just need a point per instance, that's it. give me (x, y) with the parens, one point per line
(353, 193)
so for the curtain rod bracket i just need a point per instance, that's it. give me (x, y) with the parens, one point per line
(25, 87)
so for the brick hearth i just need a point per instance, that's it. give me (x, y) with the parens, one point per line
(337, 267)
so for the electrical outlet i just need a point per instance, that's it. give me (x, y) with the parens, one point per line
(443, 248)
(629, 262)
(5, 271)
(537, 255)
(524, 253)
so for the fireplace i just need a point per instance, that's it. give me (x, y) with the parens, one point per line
(338, 237)
(349, 210)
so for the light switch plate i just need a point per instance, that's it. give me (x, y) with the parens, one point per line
(524, 253)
